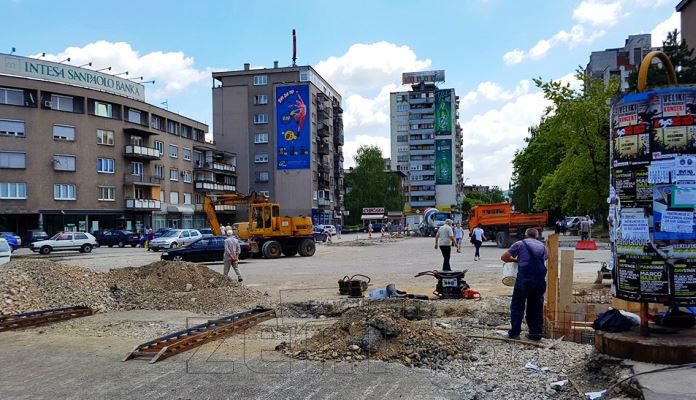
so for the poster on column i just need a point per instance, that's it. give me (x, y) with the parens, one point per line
(633, 187)
(670, 223)
(654, 279)
(292, 127)
(684, 280)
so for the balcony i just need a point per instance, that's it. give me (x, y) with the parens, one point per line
(421, 130)
(323, 202)
(142, 204)
(140, 131)
(145, 180)
(215, 166)
(212, 186)
(427, 110)
(324, 168)
(338, 138)
(223, 208)
(323, 129)
(417, 142)
(421, 100)
(422, 152)
(323, 148)
(141, 153)
(422, 120)
(422, 192)
(422, 203)
(424, 182)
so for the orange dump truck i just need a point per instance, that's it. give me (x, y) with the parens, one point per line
(503, 225)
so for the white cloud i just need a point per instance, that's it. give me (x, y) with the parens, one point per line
(491, 91)
(659, 33)
(350, 147)
(576, 35)
(598, 13)
(370, 66)
(172, 71)
(572, 80)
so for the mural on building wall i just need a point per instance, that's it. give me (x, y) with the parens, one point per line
(292, 127)
(443, 112)
(443, 161)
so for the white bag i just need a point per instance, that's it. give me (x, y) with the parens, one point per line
(509, 273)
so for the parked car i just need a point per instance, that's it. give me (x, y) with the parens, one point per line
(16, 237)
(34, 235)
(5, 252)
(161, 232)
(82, 241)
(118, 238)
(13, 241)
(175, 238)
(376, 227)
(319, 235)
(207, 249)
(206, 232)
(327, 228)
(572, 223)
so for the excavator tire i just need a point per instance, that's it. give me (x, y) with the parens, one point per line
(307, 248)
(271, 249)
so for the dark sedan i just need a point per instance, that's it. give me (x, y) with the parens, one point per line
(33, 235)
(118, 238)
(209, 249)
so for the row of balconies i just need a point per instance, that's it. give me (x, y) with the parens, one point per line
(216, 166)
(206, 185)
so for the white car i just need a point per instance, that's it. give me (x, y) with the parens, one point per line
(82, 241)
(330, 229)
(5, 252)
(175, 238)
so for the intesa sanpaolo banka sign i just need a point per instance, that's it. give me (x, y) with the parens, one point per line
(63, 73)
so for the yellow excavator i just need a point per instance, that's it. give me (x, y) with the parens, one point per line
(270, 235)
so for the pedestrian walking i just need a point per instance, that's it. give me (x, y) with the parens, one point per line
(383, 230)
(369, 231)
(232, 251)
(584, 229)
(558, 226)
(458, 235)
(338, 230)
(477, 238)
(147, 237)
(530, 285)
(564, 226)
(444, 239)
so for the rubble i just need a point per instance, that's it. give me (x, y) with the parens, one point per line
(30, 285)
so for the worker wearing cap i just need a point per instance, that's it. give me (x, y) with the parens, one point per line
(232, 251)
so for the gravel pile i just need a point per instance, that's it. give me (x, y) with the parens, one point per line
(38, 284)
(379, 333)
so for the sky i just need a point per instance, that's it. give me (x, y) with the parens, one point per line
(490, 49)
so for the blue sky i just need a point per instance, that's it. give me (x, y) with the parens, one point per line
(490, 49)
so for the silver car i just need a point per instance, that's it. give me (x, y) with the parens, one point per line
(175, 238)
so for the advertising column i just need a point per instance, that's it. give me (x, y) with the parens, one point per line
(445, 191)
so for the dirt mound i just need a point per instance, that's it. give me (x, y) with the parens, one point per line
(38, 284)
(379, 333)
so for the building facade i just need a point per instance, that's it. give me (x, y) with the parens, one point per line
(286, 126)
(620, 62)
(687, 13)
(77, 151)
(426, 142)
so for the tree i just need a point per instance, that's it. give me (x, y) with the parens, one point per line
(495, 195)
(682, 59)
(369, 185)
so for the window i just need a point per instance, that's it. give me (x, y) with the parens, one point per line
(134, 116)
(159, 146)
(105, 165)
(304, 76)
(11, 128)
(63, 132)
(260, 80)
(403, 158)
(402, 149)
(260, 119)
(162, 195)
(260, 99)
(13, 190)
(402, 107)
(173, 151)
(402, 138)
(187, 154)
(10, 159)
(159, 171)
(261, 138)
(186, 175)
(173, 174)
(64, 191)
(61, 103)
(12, 96)
(261, 158)
(106, 193)
(137, 168)
(186, 132)
(157, 122)
(103, 109)
(105, 137)
(187, 198)
(171, 127)
(174, 197)
(80, 236)
(265, 193)
(136, 140)
(262, 176)
(63, 163)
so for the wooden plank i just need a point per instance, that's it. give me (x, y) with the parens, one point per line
(552, 275)
(565, 290)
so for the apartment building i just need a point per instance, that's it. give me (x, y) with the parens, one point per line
(426, 141)
(82, 150)
(286, 126)
(621, 61)
(687, 14)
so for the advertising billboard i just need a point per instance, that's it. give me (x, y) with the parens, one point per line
(292, 127)
(411, 78)
(443, 161)
(443, 112)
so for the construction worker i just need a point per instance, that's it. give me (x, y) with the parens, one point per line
(530, 285)
(232, 251)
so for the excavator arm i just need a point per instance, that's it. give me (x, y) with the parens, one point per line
(233, 199)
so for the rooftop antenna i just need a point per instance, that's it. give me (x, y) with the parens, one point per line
(294, 49)
(165, 104)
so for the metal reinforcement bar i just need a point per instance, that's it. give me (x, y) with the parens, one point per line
(178, 342)
(34, 318)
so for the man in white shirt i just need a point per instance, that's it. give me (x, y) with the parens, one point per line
(232, 252)
(444, 239)
(478, 237)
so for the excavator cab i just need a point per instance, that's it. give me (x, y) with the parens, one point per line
(264, 217)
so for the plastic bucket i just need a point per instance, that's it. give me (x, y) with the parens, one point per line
(509, 274)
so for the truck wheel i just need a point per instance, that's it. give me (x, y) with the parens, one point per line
(500, 240)
(289, 252)
(271, 249)
(307, 248)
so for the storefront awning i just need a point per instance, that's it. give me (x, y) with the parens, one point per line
(371, 216)
(184, 209)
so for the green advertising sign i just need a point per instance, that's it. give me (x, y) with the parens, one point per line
(443, 112)
(443, 161)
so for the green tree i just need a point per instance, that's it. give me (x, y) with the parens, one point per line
(495, 195)
(369, 185)
(682, 59)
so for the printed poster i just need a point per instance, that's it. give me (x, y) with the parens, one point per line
(443, 161)
(670, 223)
(292, 127)
(443, 112)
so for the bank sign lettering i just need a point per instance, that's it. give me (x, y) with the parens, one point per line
(47, 70)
